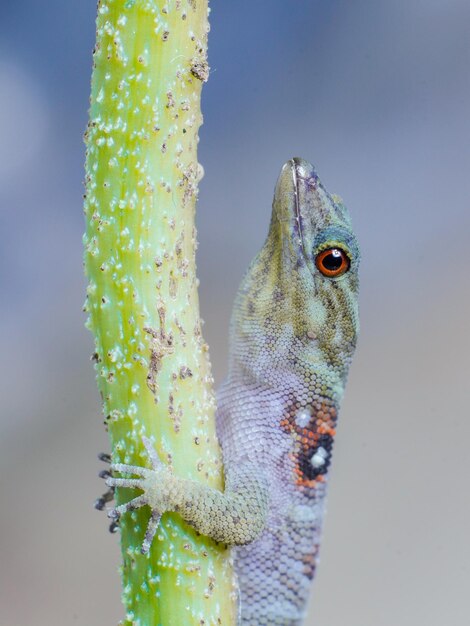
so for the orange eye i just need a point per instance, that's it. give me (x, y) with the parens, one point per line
(332, 262)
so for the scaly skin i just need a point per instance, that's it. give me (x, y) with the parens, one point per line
(294, 332)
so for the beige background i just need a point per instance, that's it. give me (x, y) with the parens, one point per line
(377, 95)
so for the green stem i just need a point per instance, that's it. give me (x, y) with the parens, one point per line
(152, 362)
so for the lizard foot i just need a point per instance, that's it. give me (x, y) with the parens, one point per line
(155, 484)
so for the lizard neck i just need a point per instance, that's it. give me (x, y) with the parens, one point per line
(281, 328)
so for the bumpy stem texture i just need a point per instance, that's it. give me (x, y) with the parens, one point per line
(152, 363)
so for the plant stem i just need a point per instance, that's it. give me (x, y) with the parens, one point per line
(152, 363)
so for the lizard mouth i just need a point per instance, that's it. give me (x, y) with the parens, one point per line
(303, 173)
(295, 182)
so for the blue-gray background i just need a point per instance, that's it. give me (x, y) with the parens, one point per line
(376, 94)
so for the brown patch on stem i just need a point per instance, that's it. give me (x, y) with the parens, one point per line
(161, 344)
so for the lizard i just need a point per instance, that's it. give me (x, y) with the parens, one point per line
(293, 333)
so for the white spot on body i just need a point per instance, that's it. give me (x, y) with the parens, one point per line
(319, 458)
(303, 417)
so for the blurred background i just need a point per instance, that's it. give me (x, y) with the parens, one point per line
(377, 95)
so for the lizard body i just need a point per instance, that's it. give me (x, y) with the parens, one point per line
(294, 329)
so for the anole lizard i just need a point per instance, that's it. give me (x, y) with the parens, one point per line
(294, 329)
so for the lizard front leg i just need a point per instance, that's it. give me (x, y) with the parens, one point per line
(236, 516)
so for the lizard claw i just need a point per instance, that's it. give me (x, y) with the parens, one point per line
(153, 482)
(100, 503)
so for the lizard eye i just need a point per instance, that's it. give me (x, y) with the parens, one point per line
(332, 262)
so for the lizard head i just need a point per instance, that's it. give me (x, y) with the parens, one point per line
(298, 302)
